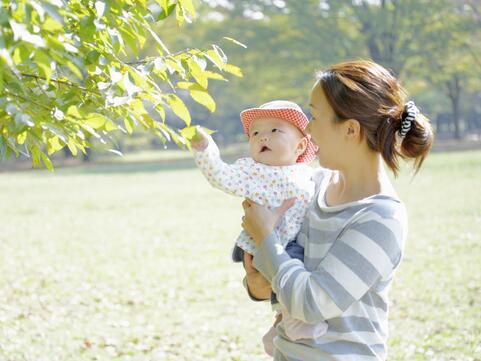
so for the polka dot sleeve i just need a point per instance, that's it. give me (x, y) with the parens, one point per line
(230, 178)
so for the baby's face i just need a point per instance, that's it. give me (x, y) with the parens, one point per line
(274, 141)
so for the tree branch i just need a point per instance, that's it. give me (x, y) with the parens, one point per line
(27, 100)
(146, 60)
(63, 82)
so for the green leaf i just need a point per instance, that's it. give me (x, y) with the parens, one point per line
(43, 63)
(92, 57)
(53, 145)
(95, 120)
(213, 75)
(129, 124)
(130, 87)
(47, 162)
(179, 15)
(215, 58)
(21, 137)
(159, 42)
(73, 149)
(184, 84)
(74, 112)
(161, 111)
(36, 162)
(74, 69)
(187, 5)
(164, 4)
(190, 132)
(51, 25)
(110, 125)
(132, 40)
(199, 94)
(234, 41)
(197, 72)
(115, 152)
(235, 70)
(166, 9)
(179, 108)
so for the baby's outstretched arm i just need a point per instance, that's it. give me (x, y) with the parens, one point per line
(200, 140)
(230, 178)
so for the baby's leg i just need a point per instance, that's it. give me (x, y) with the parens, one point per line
(268, 341)
(268, 338)
(237, 254)
(295, 250)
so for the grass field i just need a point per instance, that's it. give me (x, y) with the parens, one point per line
(131, 262)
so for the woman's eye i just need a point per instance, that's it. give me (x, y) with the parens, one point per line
(255, 133)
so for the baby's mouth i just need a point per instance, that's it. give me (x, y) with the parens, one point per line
(264, 148)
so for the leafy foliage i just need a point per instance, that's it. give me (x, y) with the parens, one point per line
(70, 73)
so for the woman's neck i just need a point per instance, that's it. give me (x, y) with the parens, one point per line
(359, 180)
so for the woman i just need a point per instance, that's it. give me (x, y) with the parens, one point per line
(354, 232)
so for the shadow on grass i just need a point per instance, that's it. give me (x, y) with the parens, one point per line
(131, 167)
(134, 167)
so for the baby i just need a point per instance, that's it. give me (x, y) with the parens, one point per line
(276, 170)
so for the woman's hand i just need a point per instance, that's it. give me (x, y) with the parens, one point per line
(258, 286)
(259, 221)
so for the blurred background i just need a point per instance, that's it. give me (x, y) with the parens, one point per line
(128, 258)
(432, 46)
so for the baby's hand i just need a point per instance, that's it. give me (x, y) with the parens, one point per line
(200, 140)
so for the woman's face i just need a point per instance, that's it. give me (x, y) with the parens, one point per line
(325, 132)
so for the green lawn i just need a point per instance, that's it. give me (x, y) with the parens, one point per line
(132, 262)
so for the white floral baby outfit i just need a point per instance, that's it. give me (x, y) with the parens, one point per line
(264, 184)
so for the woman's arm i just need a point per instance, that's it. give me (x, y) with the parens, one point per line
(367, 251)
(258, 226)
(258, 288)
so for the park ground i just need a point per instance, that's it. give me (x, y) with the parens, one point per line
(130, 261)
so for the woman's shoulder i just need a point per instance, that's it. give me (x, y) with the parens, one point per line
(384, 218)
(387, 206)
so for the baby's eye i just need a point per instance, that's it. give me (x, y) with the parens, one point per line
(274, 130)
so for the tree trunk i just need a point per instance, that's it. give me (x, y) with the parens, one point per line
(454, 93)
(87, 156)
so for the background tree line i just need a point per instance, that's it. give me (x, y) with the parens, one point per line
(433, 46)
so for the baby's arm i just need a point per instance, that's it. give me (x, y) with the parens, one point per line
(230, 178)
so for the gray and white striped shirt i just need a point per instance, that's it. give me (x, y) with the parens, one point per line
(351, 252)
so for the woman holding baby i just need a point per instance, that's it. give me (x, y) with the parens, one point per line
(355, 228)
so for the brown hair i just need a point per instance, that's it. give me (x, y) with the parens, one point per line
(369, 93)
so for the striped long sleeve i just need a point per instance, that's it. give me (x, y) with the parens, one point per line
(359, 259)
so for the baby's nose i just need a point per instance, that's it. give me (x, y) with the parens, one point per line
(263, 138)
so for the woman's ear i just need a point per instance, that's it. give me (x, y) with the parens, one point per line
(352, 129)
